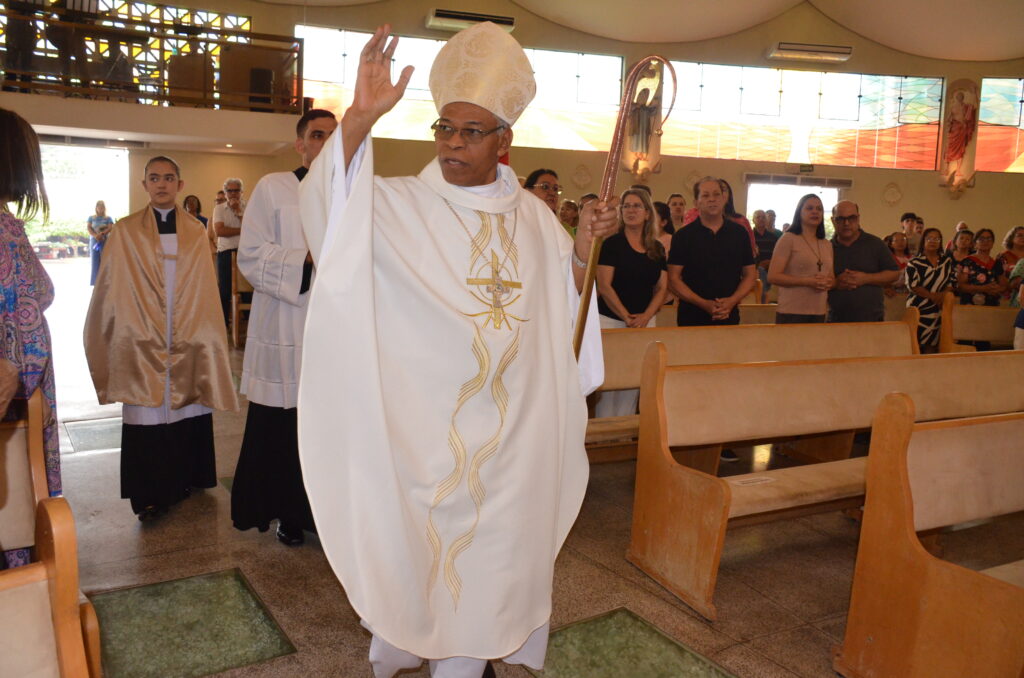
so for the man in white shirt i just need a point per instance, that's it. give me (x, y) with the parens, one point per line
(274, 258)
(227, 225)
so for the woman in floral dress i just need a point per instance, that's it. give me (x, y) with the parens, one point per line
(25, 289)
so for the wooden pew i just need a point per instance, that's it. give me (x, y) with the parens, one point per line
(614, 438)
(895, 306)
(913, 615)
(40, 632)
(974, 323)
(758, 314)
(239, 286)
(681, 510)
(23, 490)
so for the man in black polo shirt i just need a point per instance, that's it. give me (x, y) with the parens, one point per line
(710, 264)
(863, 266)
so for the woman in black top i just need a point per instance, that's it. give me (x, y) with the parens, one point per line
(632, 282)
(631, 275)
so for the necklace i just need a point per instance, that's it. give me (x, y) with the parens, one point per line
(817, 255)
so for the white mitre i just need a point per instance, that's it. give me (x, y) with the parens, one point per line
(484, 65)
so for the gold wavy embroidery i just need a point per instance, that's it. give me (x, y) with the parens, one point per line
(457, 448)
(508, 245)
(487, 451)
(480, 240)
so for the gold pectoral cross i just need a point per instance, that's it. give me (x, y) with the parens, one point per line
(497, 289)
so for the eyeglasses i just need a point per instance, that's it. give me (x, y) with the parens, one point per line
(233, 190)
(984, 237)
(845, 220)
(932, 239)
(545, 186)
(470, 135)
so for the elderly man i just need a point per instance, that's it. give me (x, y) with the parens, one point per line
(227, 226)
(441, 410)
(863, 266)
(710, 264)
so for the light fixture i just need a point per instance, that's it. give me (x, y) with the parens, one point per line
(120, 138)
(229, 145)
(456, 20)
(800, 51)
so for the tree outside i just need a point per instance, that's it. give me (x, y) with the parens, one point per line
(76, 177)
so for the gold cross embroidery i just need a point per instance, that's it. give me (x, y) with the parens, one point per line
(497, 288)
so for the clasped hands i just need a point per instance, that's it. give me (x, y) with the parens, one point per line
(718, 309)
(848, 280)
(637, 319)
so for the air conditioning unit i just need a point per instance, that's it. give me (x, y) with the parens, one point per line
(455, 20)
(800, 51)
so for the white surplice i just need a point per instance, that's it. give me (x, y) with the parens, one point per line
(440, 432)
(271, 253)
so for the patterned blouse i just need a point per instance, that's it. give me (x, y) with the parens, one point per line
(25, 292)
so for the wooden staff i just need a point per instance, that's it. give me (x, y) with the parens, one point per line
(608, 180)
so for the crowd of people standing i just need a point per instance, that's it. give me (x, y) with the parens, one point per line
(845, 278)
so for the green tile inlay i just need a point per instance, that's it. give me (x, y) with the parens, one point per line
(185, 628)
(95, 434)
(228, 482)
(620, 644)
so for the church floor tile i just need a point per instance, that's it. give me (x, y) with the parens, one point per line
(186, 627)
(96, 434)
(620, 643)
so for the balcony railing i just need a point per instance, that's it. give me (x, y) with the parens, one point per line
(47, 50)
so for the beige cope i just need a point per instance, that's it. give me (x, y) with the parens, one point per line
(125, 340)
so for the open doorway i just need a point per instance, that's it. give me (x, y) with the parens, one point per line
(783, 198)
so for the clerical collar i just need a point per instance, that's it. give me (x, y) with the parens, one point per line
(300, 172)
(166, 223)
(499, 197)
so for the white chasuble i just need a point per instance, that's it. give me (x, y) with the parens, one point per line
(441, 410)
(271, 254)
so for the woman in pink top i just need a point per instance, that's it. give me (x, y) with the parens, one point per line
(801, 266)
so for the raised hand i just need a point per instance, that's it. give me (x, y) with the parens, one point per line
(375, 94)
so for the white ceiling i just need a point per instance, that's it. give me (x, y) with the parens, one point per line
(980, 30)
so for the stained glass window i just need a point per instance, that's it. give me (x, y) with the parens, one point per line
(780, 115)
(1001, 126)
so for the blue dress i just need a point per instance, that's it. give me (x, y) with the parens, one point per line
(99, 225)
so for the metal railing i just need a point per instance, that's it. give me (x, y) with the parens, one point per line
(48, 50)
